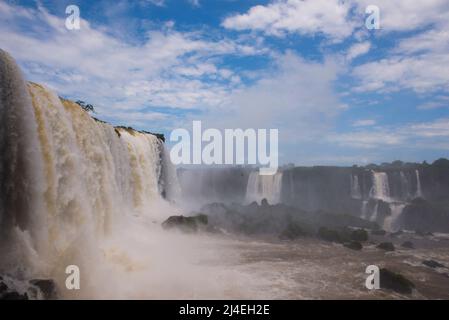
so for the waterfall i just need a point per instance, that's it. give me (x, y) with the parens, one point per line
(380, 189)
(69, 182)
(418, 185)
(405, 186)
(375, 212)
(364, 209)
(264, 187)
(355, 187)
(390, 222)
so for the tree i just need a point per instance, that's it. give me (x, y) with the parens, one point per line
(86, 107)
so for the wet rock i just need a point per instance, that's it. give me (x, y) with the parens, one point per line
(408, 245)
(432, 264)
(378, 232)
(423, 233)
(292, 232)
(359, 235)
(7, 293)
(46, 286)
(186, 224)
(13, 295)
(395, 281)
(329, 235)
(354, 245)
(387, 246)
(397, 233)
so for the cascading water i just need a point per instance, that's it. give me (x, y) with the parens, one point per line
(261, 187)
(76, 191)
(380, 189)
(390, 222)
(355, 187)
(418, 185)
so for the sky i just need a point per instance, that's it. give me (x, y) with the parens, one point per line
(339, 93)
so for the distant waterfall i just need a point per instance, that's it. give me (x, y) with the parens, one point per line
(67, 180)
(405, 185)
(418, 185)
(261, 187)
(380, 189)
(390, 221)
(355, 187)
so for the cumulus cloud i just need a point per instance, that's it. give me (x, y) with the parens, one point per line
(328, 17)
(358, 49)
(364, 123)
(428, 135)
(167, 69)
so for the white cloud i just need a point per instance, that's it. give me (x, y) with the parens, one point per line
(329, 17)
(158, 3)
(297, 97)
(169, 68)
(406, 15)
(419, 62)
(364, 123)
(358, 49)
(195, 3)
(426, 135)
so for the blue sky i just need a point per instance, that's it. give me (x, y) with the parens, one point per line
(338, 93)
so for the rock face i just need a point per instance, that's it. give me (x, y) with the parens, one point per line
(186, 224)
(329, 235)
(359, 235)
(33, 289)
(378, 232)
(425, 216)
(292, 232)
(408, 245)
(354, 245)
(432, 264)
(354, 191)
(47, 288)
(279, 220)
(387, 246)
(395, 281)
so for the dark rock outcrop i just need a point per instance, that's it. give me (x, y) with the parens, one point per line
(329, 235)
(432, 264)
(408, 245)
(292, 232)
(47, 288)
(186, 224)
(359, 235)
(379, 232)
(387, 246)
(354, 245)
(395, 281)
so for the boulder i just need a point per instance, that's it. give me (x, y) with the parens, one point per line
(387, 246)
(354, 245)
(395, 281)
(378, 232)
(397, 233)
(46, 286)
(408, 245)
(329, 235)
(359, 235)
(292, 232)
(432, 264)
(186, 224)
